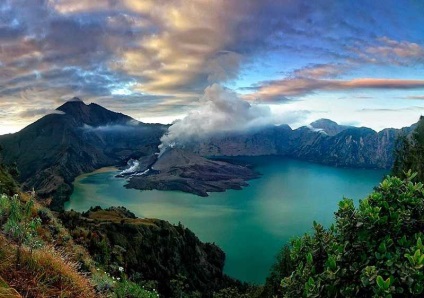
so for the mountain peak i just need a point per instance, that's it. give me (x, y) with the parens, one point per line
(328, 126)
(92, 114)
(74, 106)
(323, 121)
(76, 99)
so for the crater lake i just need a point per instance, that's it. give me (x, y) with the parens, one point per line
(250, 225)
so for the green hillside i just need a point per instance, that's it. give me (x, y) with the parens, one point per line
(372, 250)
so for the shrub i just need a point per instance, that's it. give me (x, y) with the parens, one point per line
(409, 153)
(281, 268)
(374, 250)
(20, 225)
(128, 289)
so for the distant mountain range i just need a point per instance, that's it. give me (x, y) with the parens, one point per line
(80, 138)
(323, 141)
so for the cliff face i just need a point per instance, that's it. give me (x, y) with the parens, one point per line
(52, 151)
(270, 140)
(148, 249)
(353, 147)
(323, 142)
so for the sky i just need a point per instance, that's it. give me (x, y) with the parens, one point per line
(355, 62)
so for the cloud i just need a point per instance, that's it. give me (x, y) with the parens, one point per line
(386, 50)
(414, 97)
(392, 110)
(195, 43)
(151, 50)
(82, 6)
(318, 71)
(223, 67)
(389, 47)
(167, 47)
(271, 91)
(38, 112)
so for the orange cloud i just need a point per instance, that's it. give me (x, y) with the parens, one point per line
(389, 47)
(391, 51)
(320, 71)
(185, 48)
(281, 89)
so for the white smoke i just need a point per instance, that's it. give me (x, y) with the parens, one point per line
(320, 130)
(220, 110)
(133, 166)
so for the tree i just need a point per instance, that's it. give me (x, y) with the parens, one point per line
(409, 153)
(281, 268)
(13, 170)
(374, 250)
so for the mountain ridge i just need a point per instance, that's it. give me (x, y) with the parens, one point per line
(51, 152)
(357, 147)
(55, 149)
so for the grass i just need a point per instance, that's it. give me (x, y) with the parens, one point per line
(117, 217)
(52, 271)
(6, 291)
(55, 270)
(43, 273)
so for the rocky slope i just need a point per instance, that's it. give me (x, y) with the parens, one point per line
(352, 147)
(178, 169)
(80, 138)
(102, 253)
(148, 249)
(322, 142)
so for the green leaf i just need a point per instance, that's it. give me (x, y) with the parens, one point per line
(417, 255)
(418, 288)
(421, 260)
(387, 283)
(410, 259)
(382, 247)
(419, 243)
(412, 176)
(380, 282)
(331, 263)
(309, 258)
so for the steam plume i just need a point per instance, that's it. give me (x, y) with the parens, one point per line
(220, 110)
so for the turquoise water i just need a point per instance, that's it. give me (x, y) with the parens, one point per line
(250, 225)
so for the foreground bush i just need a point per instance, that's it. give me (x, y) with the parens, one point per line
(27, 269)
(375, 250)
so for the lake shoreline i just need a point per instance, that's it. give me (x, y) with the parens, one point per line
(251, 224)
